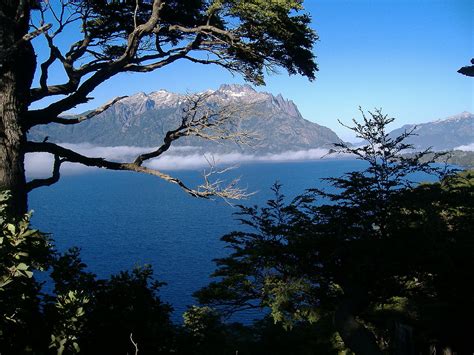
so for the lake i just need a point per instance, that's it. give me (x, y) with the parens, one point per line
(122, 219)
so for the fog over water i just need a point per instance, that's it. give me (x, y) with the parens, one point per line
(177, 158)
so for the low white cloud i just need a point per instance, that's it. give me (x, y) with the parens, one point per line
(466, 148)
(310, 154)
(41, 165)
(119, 153)
(195, 161)
(177, 158)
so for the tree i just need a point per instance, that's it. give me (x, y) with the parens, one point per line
(22, 251)
(367, 254)
(246, 37)
(468, 70)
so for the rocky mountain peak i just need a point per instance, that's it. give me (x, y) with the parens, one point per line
(286, 105)
(237, 88)
(465, 115)
(142, 119)
(227, 93)
(442, 134)
(141, 101)
(248, 95)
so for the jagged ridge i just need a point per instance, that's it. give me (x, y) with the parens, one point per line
(143, 119)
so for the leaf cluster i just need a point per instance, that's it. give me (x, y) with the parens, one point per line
(22, 251)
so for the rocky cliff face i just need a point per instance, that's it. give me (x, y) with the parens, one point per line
(143, 120)
(442, 134)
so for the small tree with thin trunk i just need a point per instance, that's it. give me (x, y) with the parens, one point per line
(332, 253)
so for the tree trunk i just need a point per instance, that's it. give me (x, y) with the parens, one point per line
(16, 75)
(355, 336)
(402, 339)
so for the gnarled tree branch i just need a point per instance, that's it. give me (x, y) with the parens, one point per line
(105, 71)
(200, 120)
(26, 38)
(33, 184)
(75, 120)
(205, 190)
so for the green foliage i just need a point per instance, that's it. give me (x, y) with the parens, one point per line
(303, 338)
(203, 332)
(199, 319)
(281, 295)
(440, 257)
(249, 37)
(379, 251)
(70, 308)
(22, 251)
(69, 274)
(128, 303)
(17, 241)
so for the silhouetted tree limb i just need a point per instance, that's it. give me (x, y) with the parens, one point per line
(467, 70)
(82, 118)
(200, 120)
(33, 184)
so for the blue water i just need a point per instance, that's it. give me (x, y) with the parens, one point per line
(121, 219)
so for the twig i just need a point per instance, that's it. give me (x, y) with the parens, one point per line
(134, 344)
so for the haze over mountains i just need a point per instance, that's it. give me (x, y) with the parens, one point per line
(143, 120)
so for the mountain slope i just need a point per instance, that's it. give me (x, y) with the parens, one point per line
(143, 120)
(443, 134)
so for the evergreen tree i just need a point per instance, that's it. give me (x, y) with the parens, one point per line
(365, 254)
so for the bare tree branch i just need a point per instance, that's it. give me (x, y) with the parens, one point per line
(33, 184)
(36, 33)
(205, 29)
(233, 191)
(104, 72)
(67, 61)
(135, 12)
(206, 190)
(76, 120)
(102, 68)
(201, 120)
(26, 38)
(206, 37)
(135, 345)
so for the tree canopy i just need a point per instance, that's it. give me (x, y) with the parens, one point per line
(250, 38)
(468, 70)
(386, 259)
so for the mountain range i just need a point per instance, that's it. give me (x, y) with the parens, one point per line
(442, 134)
(275, 123)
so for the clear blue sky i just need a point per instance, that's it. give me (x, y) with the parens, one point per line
(401, 56)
